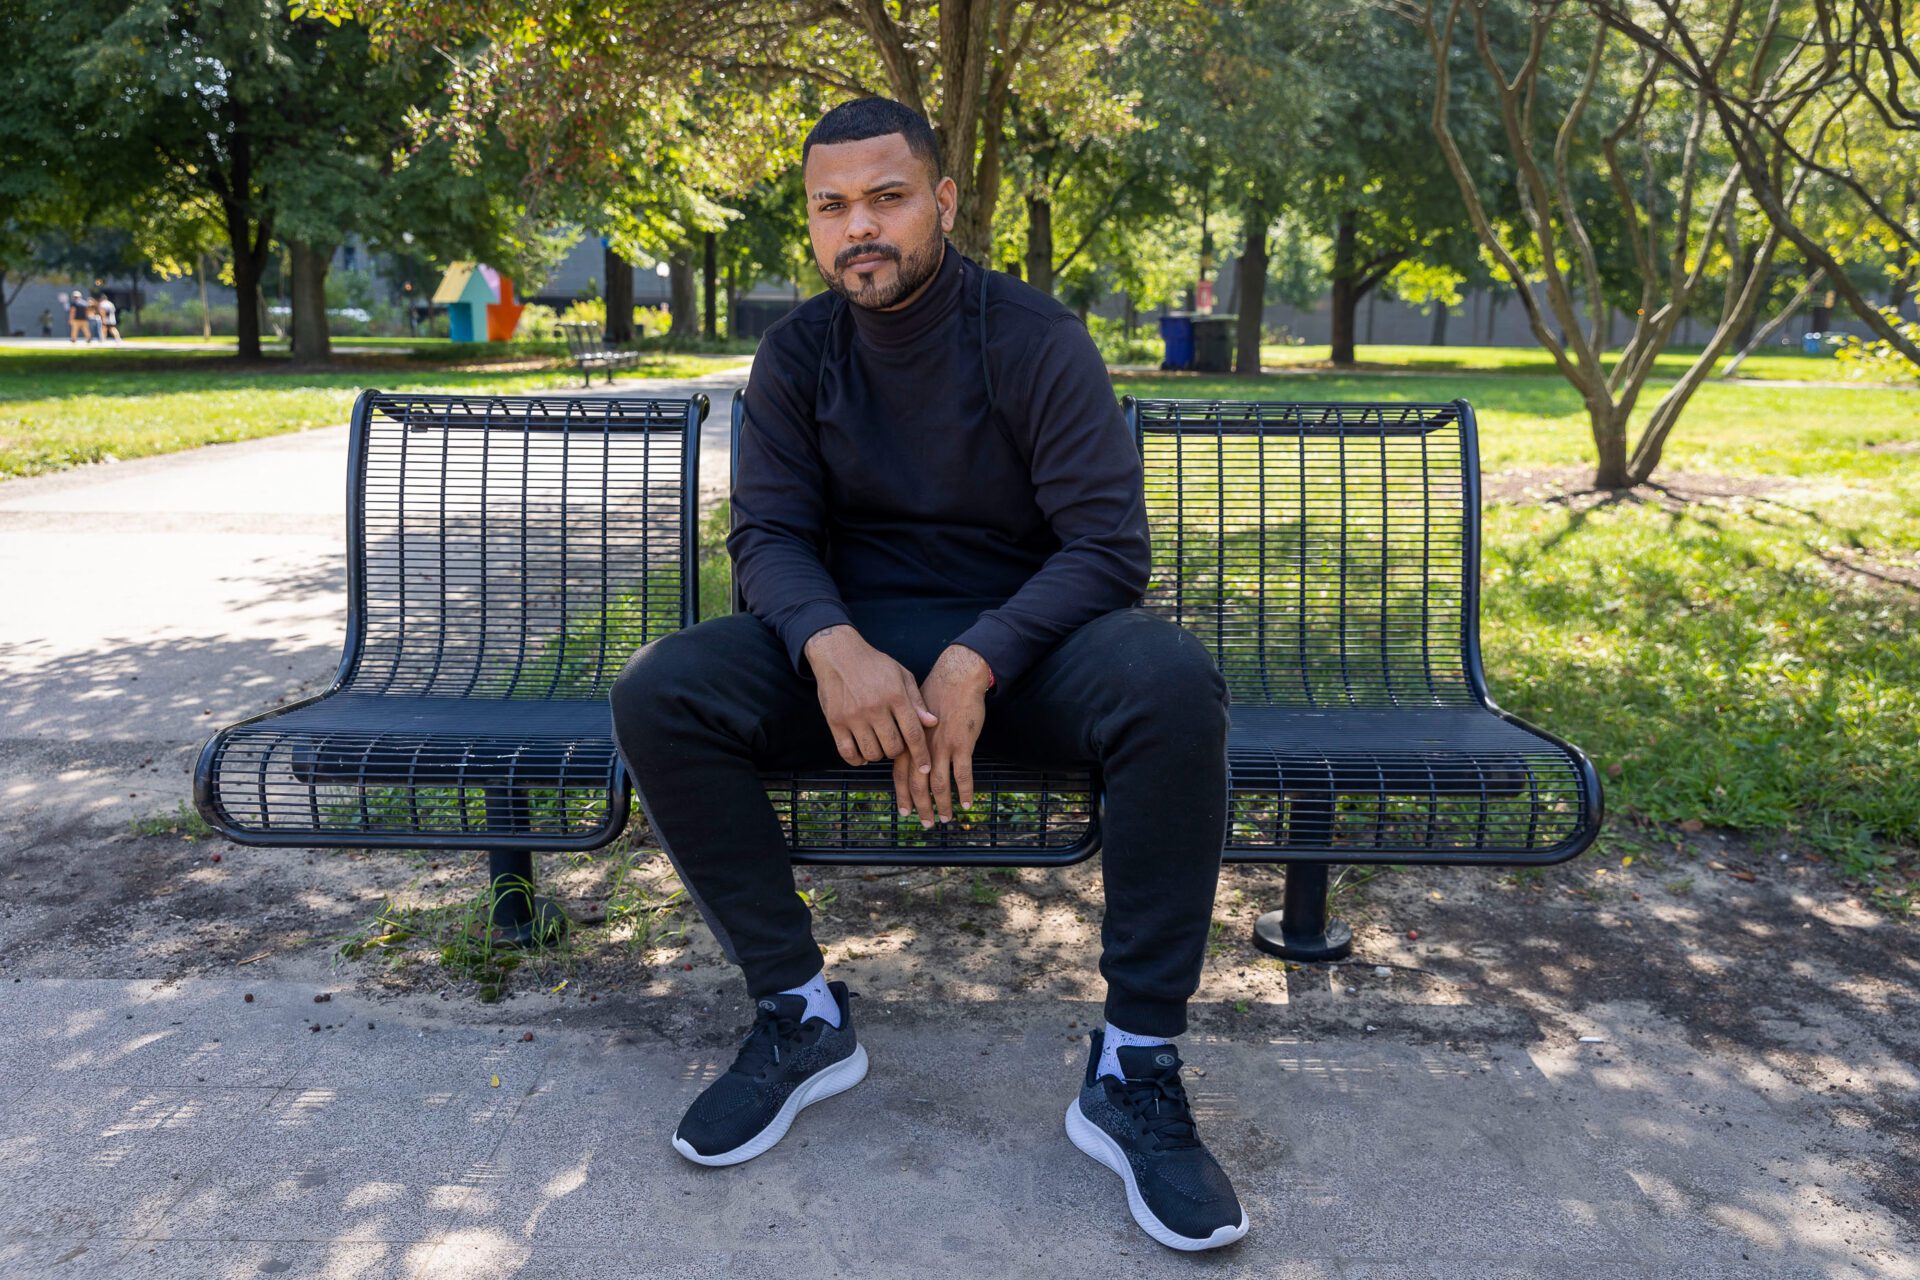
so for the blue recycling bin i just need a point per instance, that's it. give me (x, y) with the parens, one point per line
(1810, 344)
(1176, 331)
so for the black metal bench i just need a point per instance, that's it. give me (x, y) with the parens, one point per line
(1329, 557)
(506, 556)
(588, 348)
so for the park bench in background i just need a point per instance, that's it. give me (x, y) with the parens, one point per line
(588, 349)
(506, 556)
(1329, 557)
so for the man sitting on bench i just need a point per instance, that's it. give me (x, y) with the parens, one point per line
(941, 534)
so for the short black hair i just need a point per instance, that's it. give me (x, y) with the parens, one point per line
(863, 118)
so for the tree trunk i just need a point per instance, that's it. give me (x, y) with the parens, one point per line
(1250, 290)
(619, 291)
(1439, 336)
(246, 303)
(249, 244)
(680, 299)
(4, 328)
(733, 303)
(1040, 241)
(710, 272)
(206, 312)
(1346, 293)
(1129, 315)
(1609, 428)
(309, 271)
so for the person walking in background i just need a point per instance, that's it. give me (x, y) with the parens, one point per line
(93, 319)
(109, 318)
(76, 317)
(46, 322)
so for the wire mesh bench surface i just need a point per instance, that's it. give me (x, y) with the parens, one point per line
(505, 557)
(1328, 556)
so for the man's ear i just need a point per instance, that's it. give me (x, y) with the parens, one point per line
(947, 196)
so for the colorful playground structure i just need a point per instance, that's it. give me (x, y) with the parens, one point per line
(478, 300)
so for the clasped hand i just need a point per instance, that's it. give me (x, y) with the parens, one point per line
(876, 711)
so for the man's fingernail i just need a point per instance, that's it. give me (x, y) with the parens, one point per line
(905, 812)
(926, 768)
(925, 825)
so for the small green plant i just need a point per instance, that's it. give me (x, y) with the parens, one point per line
(1527, 877)
(983, 893)
(820, 897)
(184, 821)
(461, 936)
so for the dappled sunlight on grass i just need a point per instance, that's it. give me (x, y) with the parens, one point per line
(1715, 666)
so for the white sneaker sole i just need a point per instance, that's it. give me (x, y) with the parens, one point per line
(838, 1078)
(1094, 1140)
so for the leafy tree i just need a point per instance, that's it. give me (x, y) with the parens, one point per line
(278, 128)
(579, 89)
(1674, 202)
(1827, 91)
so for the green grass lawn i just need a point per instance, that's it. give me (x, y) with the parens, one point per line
(1765, 365)
(64, 408)
(1742, 651)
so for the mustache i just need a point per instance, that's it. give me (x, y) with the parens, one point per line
(847, 255)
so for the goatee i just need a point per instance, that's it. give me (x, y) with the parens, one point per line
(912, 270)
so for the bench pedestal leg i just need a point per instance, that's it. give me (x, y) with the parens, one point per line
(1301, 929)
(517, 915)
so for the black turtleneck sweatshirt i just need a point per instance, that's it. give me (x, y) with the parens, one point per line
(873, 465)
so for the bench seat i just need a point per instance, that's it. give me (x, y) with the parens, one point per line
(506, 556)
(1328, 556)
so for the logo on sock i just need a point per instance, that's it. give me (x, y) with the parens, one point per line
(767, 1005)
(1163, 1060)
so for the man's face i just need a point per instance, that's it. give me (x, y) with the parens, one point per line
(877, 220)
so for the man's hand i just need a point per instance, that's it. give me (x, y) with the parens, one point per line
(956, 693)
(875, 711)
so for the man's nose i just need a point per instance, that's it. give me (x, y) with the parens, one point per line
(862, 225)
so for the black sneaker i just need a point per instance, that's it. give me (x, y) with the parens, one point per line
(784, 1064)
(1142, 1128)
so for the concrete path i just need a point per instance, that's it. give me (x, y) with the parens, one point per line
(152, 601)
(167, 1125)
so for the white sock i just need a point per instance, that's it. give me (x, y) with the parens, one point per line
(820, 1001)
(1112, 1042)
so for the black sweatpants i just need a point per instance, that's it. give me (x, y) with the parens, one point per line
(699, 712)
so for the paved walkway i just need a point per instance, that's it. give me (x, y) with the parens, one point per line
(169, 1126)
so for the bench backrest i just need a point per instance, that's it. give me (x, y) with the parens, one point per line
(583, 338)
(1327, 553)
(516, 547)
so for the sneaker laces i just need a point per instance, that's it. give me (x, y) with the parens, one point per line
(761, 1049)
(1160, 1106)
